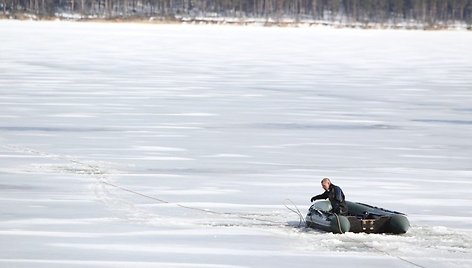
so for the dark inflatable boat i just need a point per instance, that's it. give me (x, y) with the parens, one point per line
(362, 218)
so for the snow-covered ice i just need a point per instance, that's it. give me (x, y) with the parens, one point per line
(135, 145)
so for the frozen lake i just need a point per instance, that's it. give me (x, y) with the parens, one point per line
(232, 120)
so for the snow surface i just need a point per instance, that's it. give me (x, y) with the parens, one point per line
(134, 145)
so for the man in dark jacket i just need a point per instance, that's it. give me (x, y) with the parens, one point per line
(335, 196)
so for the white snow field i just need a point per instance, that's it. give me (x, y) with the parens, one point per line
(139, 145)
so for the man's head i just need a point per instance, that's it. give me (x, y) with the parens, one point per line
(325, 183)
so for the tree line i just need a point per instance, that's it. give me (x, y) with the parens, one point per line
(431, 12)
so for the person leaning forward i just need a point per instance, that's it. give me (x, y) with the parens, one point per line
(335, 196)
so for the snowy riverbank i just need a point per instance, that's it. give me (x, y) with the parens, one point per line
(266, 22)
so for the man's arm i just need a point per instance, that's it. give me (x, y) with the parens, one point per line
(320, 196)
(338, 195)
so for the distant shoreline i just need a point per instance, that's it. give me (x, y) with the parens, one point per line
(263, 22)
